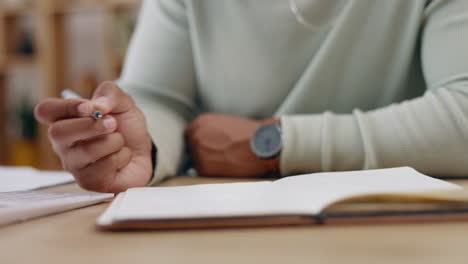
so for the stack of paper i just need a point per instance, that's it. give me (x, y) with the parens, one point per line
(25, 178)
(20, 206)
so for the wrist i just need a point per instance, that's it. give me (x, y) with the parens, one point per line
(270, 121)
(272, 166)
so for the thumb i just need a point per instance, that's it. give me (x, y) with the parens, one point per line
(109, 98)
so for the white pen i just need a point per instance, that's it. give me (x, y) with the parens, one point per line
(68, 94)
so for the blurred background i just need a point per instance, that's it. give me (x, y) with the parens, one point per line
(45, 47)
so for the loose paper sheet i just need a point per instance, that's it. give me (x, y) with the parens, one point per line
(19, 206)
(25, 178)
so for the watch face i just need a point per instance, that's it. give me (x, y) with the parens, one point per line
(266, 142)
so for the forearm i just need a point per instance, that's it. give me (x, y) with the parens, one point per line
(166, 122)
(162, 81)
(427, 133)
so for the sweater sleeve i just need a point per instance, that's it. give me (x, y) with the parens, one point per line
(428, 133)
(160, 80)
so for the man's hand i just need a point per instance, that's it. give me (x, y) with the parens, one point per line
(220, 146)
(107, 155)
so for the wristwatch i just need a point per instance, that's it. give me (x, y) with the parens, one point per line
(267, 142)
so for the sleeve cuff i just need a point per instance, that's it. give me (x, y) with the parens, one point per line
(296, 156)
(324, 142)
(160, 170)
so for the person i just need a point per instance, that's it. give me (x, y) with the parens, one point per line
(351, 84)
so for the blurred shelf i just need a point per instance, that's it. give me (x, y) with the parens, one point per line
(89, 6)
(18, 59)
(14, 12)
(74, 7)
(127, 4)
(3, 69)
(49, 23)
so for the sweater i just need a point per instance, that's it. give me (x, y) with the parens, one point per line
(373, 84)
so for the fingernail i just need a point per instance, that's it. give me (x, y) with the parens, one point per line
(85, 109)
(110, 123)
(103, 102)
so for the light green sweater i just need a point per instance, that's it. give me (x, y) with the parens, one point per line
(381, 84)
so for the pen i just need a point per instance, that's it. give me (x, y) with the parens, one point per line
(68, 94)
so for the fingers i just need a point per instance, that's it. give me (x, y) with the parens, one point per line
(51, 110)
(109, 98)
(66, 133)
(100, 176)
(87, 152)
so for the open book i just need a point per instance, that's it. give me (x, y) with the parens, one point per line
(303, 199)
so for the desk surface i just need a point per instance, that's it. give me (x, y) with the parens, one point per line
(70, 237)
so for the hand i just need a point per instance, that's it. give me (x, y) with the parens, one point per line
(220, 146)
(107, 155)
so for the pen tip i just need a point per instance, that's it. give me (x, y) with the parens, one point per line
(97, 115)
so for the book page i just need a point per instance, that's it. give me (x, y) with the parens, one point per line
(305, 194)
(198, 201)
(314, 192)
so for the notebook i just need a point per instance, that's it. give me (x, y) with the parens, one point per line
(295, 200)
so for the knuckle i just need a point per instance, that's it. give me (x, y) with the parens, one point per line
(95, 185)
(203, 120)
(85, 184)
(53, 132)
(86, 150)
(71, 163)
(114, 160)
(71, 108)
(127, 153)
(111, 160)
(121, 157)
(199, 137)
(199, 120)
(102, 186)
(117, 140)
(207, 117)
(92, 179)
(108, 88)
(198, 140)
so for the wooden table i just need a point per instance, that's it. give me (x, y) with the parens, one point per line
(72, 238)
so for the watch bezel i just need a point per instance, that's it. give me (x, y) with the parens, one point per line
(271, 154)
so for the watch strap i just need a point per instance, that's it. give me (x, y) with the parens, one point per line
(272, 164)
